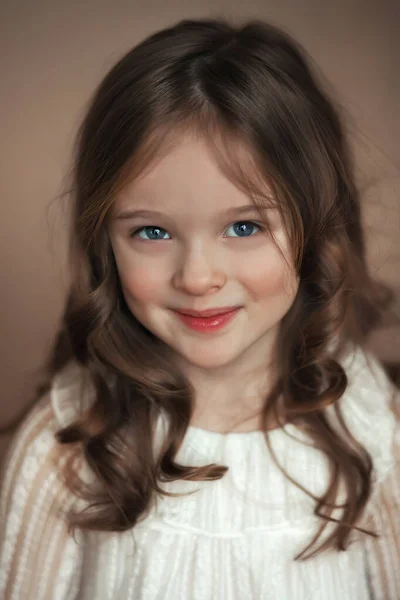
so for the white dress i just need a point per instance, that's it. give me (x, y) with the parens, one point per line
(234, 539)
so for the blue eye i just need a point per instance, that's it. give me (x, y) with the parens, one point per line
(154, 233)
(245, 228)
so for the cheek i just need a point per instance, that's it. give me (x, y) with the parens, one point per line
(141, 284)
(269, 277)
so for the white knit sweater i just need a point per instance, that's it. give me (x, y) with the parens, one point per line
(234, 539)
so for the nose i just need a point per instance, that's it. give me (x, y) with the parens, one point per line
(198, 272)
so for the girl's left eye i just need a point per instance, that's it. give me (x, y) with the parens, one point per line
(154, 233)
(245, 228)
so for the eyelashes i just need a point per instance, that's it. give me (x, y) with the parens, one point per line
(157, 233)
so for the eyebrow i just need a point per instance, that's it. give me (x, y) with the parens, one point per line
(132, 214)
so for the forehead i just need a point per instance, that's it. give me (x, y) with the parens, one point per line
(192, 173)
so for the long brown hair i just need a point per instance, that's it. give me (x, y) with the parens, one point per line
(249, 86)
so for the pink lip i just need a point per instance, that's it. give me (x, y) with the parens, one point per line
(207, 324)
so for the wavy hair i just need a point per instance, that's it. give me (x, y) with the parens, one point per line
(253, 87)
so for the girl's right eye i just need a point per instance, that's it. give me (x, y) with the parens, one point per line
(153, 232)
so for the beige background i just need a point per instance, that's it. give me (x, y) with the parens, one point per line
(53, 54)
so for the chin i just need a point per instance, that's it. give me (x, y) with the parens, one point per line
(209, 360)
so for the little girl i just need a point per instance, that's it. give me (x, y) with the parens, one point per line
(212, 426)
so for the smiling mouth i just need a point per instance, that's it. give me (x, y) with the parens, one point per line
(208, 323)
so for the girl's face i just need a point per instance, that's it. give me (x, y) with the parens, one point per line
(188, 243)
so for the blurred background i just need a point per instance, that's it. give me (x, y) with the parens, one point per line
(53, 55)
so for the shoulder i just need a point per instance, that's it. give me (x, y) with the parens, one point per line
(71, 393)
(368, 408)
(33, 440)
(369, 392)
(34, 453)
(364, 369)
(33, 494)
(34, 501)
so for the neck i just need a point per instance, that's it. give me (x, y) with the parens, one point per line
(232, 397)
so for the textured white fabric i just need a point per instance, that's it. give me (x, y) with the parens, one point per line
(233, 539)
